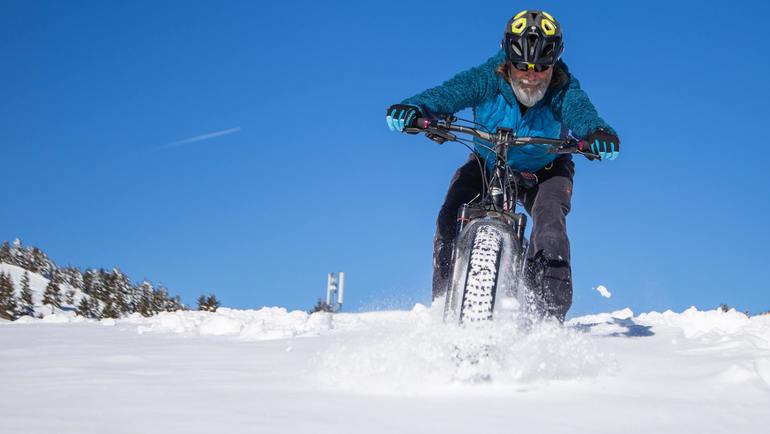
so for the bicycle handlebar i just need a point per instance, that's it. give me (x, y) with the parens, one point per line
(445, 129)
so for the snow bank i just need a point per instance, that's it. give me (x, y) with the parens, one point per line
(272, 370)
(421, 323)
(263, 324)
(412, 349)
(695, 323)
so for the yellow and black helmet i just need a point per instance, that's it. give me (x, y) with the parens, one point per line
(533, 37)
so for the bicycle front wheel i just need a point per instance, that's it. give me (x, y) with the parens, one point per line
(471, 298)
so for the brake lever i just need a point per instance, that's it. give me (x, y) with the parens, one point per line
(437, 134)
(574, 147)
(440, 136)
(589, 155)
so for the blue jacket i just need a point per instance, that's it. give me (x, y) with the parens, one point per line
(565, 107)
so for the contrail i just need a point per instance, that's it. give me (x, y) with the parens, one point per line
(202, 137)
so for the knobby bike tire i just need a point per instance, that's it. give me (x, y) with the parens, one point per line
(482, 275)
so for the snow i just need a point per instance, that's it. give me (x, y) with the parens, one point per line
(276, 371)
(603, 291)
(262, 324)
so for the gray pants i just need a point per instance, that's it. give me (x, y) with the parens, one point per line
(548, 272)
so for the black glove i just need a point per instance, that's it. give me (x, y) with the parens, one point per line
(602, 144)
(400, 116)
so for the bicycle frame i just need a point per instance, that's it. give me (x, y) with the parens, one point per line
(499, 200)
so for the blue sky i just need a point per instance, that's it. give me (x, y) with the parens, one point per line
(241, 148)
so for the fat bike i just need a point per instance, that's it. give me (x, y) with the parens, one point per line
(490, 247)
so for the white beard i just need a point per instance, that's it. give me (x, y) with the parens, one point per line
(529, 95)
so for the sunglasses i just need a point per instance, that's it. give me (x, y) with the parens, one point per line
(524, 66)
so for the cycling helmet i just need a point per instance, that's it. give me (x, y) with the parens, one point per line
(533, 37)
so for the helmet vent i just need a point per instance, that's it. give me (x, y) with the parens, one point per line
(531, 45)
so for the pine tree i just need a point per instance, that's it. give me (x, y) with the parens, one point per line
(162, 302)
(110, 311)
(96, 284)
(84, 307)
(71, 276)
(111, 295)
(122, 292)
(175, 304)
(158, 299)
(107, 290)
(8, 305)
(5, 253)
(35, 261)
(40, 263)
(88, 282)
(52, 295)
(321, 306)
(57, 276)
(22, 256)
(210, 303)
(89, 308)
(26, 305)
(134, 298)
(202, 302)
(144, 305)
(102, 288)
(69, 296)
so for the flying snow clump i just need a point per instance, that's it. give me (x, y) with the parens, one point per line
(603, 291)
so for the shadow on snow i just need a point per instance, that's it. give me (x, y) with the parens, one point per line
(633, 330)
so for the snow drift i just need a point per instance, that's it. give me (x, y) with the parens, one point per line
(272, 370)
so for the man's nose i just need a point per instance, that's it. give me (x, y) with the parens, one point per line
(531, 74)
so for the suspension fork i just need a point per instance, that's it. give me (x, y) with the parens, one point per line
(521, 226)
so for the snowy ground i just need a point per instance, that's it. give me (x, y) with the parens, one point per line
(273, 371)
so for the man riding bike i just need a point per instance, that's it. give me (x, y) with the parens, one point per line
(525, 87)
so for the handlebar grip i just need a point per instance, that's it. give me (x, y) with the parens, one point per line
(421, 123)
(582, 148)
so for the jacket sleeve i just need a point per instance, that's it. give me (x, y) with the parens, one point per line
(576, 112)
(466, 89)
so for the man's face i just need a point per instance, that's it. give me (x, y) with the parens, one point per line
(530, 86)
